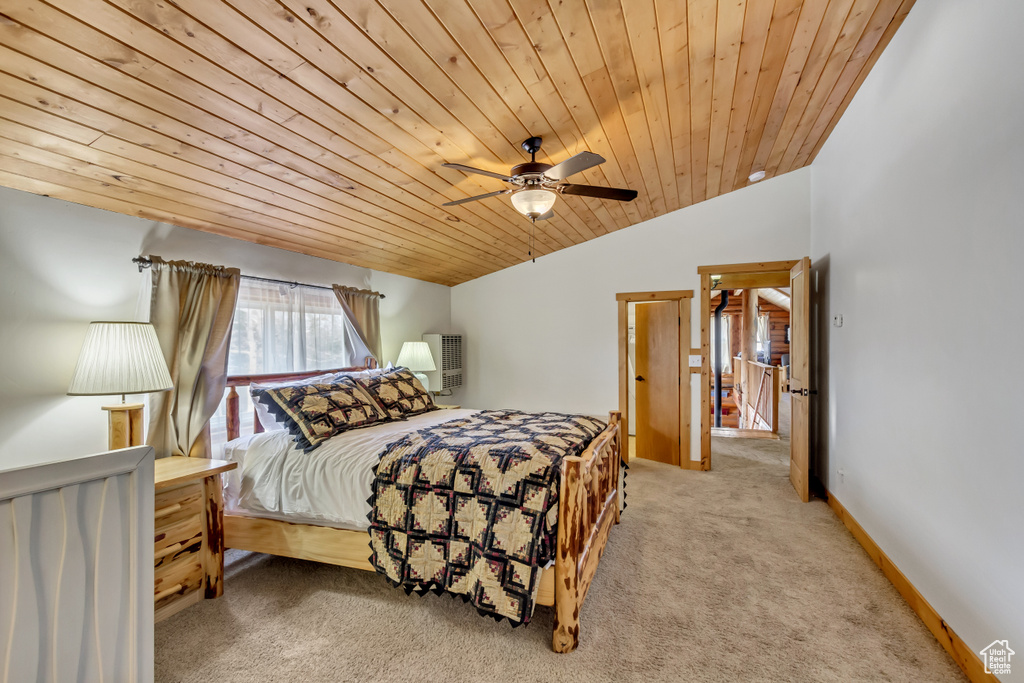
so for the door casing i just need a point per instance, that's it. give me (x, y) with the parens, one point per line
(728, 276)
(684, 298)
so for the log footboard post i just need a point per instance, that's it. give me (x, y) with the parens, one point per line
(615, 417)
(566, 634)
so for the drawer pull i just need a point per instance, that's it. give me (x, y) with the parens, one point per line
(168, 550)
(164, 593)
(169, 510)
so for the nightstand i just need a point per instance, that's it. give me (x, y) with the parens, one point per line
(188, 532)
(444, 406)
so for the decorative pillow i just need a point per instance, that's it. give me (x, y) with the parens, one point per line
(399, 393)
(270, 422)
(316, 412)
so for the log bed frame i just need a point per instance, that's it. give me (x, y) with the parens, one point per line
(589, 504)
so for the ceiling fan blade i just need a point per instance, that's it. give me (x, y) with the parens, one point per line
(479, 171)
(473, 199)
(574, 164)
(599, 192)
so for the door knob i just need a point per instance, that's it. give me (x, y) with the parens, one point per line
(640, 378)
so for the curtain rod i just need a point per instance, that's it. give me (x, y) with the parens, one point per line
(143, 262)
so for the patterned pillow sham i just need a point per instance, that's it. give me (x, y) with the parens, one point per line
(269, 421)
(399, 393)
(316, 412)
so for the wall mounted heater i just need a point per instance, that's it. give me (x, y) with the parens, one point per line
(446, 350)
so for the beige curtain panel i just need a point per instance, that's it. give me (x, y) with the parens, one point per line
(362, 306)
(192, 308)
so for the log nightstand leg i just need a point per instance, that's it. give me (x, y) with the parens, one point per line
(213, 562)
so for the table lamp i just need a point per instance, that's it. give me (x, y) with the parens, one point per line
(416, 356)
(121, 358)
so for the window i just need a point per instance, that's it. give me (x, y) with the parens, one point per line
(764, 342)
(284, 328)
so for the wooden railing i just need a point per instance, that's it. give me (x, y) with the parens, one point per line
(758, 395)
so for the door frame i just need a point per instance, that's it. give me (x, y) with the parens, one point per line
(729, 276)
(683, 297)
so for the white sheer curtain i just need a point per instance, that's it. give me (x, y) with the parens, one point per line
(723, 346)
(763, 341)
(284, 328)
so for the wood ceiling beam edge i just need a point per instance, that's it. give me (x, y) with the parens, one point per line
(829, 31)
(901, 15)
(883, 16)
(342, 218)
(853, 28)
(105, 200)
(389, 230)
(33, 163)
(132, 169)
(151, 141)
(360, 202)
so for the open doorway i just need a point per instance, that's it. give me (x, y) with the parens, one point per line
(654, 348)
(760, 382)
(749, 330)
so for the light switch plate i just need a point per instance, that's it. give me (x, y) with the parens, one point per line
(695, 361)
(837, 320)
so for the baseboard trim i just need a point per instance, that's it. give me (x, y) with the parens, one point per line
(966, 659)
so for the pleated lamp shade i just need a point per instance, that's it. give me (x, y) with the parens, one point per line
(416, 356)
(120, 358)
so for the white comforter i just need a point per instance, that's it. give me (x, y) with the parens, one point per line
(329, 486)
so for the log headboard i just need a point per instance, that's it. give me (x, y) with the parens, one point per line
(233, 381)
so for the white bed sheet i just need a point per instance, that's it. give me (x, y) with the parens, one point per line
(329, 486)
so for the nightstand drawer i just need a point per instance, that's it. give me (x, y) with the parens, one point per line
(177, 579)
(178, 525)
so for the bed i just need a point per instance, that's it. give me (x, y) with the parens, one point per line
(279, 503)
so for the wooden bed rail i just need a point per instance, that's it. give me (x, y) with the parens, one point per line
(233, 381)
(588, 507)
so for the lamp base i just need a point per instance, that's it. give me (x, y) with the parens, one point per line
(423, 380)
(125, 426)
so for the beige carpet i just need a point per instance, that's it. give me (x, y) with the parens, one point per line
(720, 576)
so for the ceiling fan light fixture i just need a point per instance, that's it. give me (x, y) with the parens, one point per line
(533, 202)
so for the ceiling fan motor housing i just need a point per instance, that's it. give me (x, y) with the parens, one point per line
(529, 173)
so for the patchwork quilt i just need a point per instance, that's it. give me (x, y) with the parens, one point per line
(470, 507)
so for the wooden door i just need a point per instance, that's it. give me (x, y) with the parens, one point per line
(799, 382)
(657, 381)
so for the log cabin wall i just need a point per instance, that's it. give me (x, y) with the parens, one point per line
(778, 318)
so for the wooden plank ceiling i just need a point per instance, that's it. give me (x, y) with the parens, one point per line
(320, 126)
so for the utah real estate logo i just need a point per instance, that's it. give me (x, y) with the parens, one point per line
(997, 657)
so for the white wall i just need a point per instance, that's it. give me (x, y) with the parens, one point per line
(918, 198)
(63, 265)
(544, 335)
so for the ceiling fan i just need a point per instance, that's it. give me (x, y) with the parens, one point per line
(536, 185)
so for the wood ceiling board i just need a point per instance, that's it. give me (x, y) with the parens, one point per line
(322, 127)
